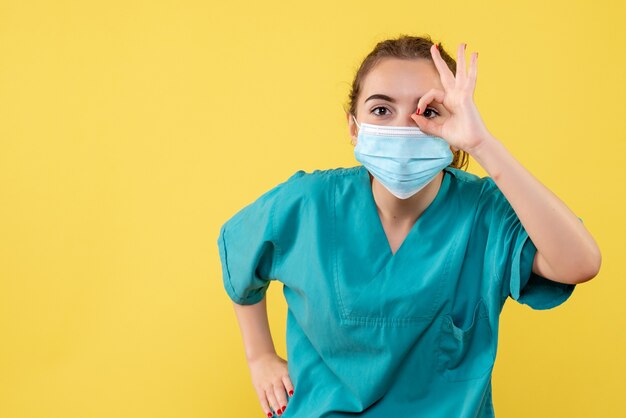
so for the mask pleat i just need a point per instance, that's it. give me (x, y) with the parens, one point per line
(403, 159)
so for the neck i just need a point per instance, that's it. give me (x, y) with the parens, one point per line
(404, 211)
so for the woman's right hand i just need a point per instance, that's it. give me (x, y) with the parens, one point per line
(271, 381)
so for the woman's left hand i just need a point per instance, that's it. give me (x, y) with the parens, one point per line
(464, 128)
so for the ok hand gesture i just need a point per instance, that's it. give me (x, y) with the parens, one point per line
(464, 129)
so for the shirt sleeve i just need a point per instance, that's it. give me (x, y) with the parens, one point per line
(513, 256)
(249, 248)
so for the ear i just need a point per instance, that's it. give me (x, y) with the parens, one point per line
(352, 128)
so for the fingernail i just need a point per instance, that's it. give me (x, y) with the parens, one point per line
(269, 414)
(291, 393)
(436, 46)
(418, 111)
(283, 408)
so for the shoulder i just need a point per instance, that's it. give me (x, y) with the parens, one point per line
(467, 182)
(315, 181)
(318, 175)
(480, 195)
(312, 191)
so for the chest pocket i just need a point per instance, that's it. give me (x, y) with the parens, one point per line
(468, 352)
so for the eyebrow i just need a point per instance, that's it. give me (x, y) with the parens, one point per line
(384, 97)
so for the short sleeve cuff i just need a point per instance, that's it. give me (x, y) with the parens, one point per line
(529, 288)
(252, 295)
(251, 299)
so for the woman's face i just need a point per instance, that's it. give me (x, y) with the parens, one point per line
(390, 93)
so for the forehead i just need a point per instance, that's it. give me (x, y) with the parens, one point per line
(401, 78)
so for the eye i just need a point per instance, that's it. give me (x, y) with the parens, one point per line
(430, 109)
(379, 107)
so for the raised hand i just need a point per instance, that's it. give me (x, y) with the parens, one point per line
(464, 129)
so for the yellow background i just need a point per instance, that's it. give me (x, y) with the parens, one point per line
(130, 131)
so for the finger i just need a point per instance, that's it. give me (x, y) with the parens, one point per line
(427, 126)
(460, 64)
(288, 385)
(447, 78)
(264, 404)
(473, 71)
(271, 397)
(281, 397)
(432, 94)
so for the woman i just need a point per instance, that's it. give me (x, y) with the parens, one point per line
(395, 271)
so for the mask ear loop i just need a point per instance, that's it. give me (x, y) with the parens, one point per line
(359, 130)
(355, 121)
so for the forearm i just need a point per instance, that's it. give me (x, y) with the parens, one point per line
(560, 237)
(255, 329)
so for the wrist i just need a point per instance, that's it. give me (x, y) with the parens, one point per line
(484, 146)
(255, 356)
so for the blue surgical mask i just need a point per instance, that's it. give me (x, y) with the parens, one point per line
(404, 159)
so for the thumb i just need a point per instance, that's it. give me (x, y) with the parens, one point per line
(426, 126)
